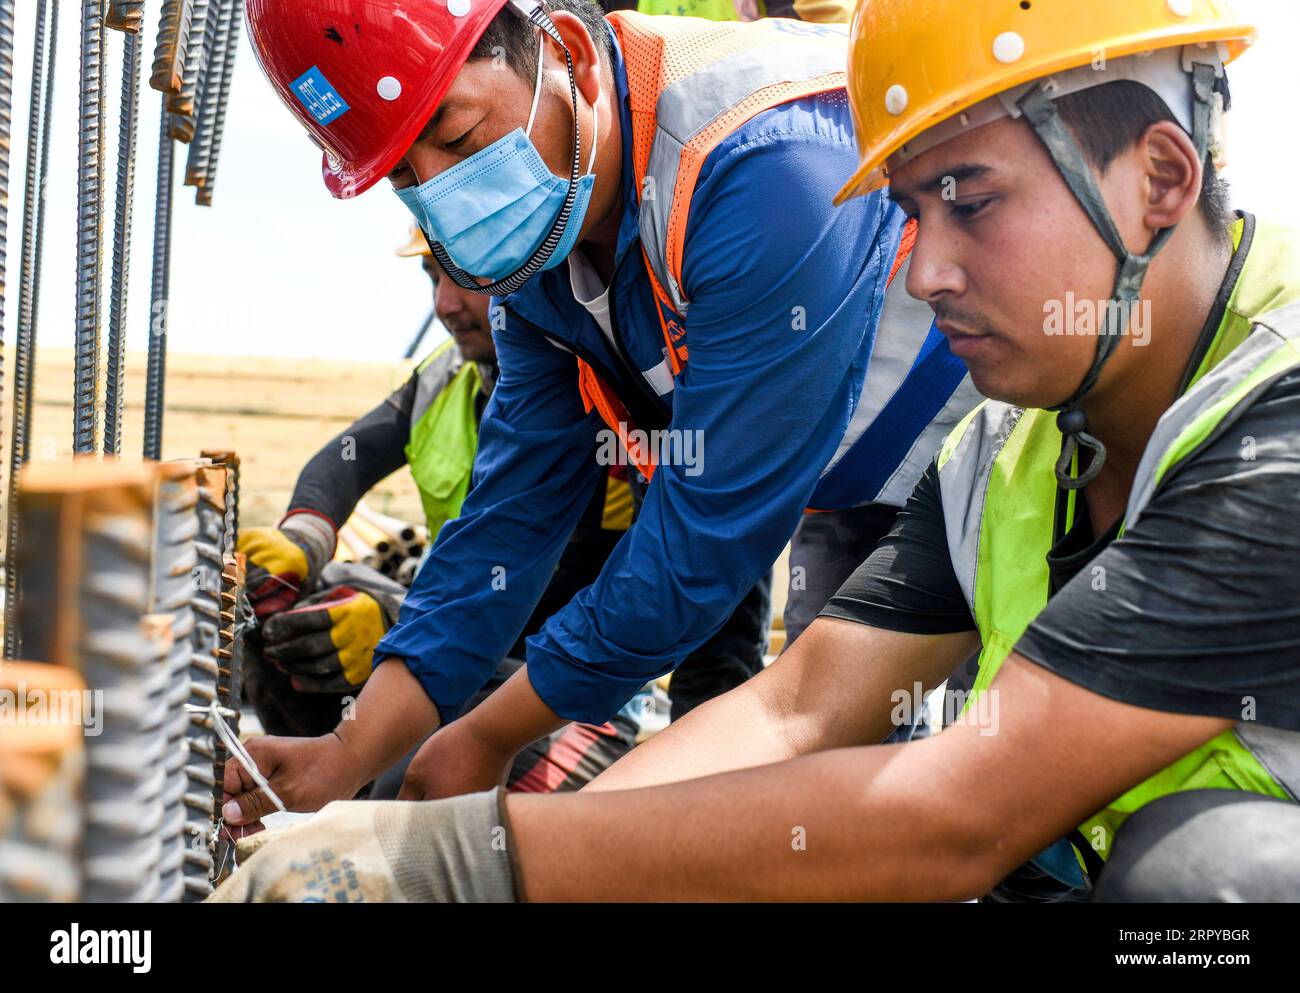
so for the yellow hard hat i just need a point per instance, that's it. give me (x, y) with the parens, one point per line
(415, 246)
(914, 64)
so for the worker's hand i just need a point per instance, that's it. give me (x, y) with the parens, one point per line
(305, 773)
(450, 851)
(454, 761)
(284, 561)
(326, 644)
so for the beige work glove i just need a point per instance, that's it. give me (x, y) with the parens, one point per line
(442, 851)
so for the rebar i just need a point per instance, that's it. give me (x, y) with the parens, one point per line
(175, 558)
(127, 129)
(183, 104)
(173, 42)
(204, 196)
(160, 289)
(230, 657)
(204, 675)
(200, 153)
(86, 555)
(90, 261)
(42, 766)
(125, 15)
(40, 111)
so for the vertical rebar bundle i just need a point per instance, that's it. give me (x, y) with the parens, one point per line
(184, 103)
(173, 42)
(204, 674)
(41, 772)
(40, 111)
(175, 559)
(160, 288)
(86, 558)
(115, 388)
(218, 37)
(204, 196)
(90, 260)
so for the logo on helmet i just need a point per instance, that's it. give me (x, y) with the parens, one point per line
(318, 95)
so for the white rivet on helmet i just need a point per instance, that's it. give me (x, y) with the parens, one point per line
(458, 8)
(389, 88)
(1180, 8)
(896, 99)
(1008, 47)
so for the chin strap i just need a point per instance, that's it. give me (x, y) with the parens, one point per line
(506, 285)
(1041, 113)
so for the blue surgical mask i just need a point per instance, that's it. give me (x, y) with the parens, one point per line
(492, 211)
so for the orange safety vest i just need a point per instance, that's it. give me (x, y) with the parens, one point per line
(669, 62)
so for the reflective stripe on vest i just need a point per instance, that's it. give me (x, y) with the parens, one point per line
(444, 434)
(999, 496)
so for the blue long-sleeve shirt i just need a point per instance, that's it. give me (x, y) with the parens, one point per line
(785, 293)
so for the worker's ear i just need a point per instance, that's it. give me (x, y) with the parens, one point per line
(1172, 173)
(582, 49)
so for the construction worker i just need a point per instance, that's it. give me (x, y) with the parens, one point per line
(807, 384)
(1116, 529)
(320, 620)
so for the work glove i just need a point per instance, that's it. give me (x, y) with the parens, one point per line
(443, 851)
(326, 644)
(283, 562)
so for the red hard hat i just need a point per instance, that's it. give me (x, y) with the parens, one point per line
(364, 76)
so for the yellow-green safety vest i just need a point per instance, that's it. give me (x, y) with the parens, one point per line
(444, 433)
(999, 492)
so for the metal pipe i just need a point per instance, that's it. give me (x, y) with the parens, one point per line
(204, 197)
(90, 260)
(40, 111)
(161, 287)
(127, 130)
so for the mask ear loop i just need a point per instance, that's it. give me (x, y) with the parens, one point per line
(537, 84)
(537, 96)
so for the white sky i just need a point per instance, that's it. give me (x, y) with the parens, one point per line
(277, 267)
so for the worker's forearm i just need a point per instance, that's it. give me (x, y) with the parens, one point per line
(850, 824)
(838, 686)
(512, 718)
(733, 731)
(390, 717)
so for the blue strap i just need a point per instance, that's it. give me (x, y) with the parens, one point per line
(865, 468)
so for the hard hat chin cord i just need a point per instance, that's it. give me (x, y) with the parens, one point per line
(534, 14)
(1040, 110)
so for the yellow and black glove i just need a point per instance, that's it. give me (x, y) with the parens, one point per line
(284, 562)
(326, 644)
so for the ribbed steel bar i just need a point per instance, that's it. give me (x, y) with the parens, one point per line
(39, 112)
(6, 127)
(183, 104)
(218, 37)
(125, 15)
(230, 659)
(90, 256)
(41, 823)
(126, 140)
(205, 672)
(87, 555)
(169, 51)
(175, 558)
(156, 373)
(204, 196)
